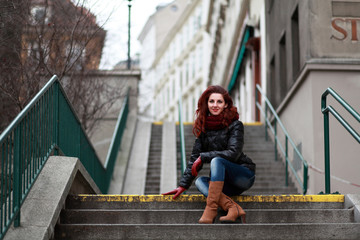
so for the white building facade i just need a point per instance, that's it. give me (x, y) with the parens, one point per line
(235, 63)
(179, 67)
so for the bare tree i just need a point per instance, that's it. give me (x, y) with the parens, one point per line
(10, 47)
(48, 37)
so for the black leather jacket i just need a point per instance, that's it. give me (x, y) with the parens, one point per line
(226, 143)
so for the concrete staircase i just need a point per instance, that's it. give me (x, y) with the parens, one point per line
(270, 215)
(152, 185)
(159, 217)
(270, 174)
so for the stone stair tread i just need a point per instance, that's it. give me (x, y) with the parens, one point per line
(197, 202)
(211, 231)
(177, 216)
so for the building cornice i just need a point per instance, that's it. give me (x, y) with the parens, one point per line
(149, 23)
(323, 64)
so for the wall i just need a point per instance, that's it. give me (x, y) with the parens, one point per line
(328, 57)
(335, 30)
(101, 138)
(304, 122)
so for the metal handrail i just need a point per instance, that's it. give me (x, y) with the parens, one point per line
(182, 138)
(47, 126)
(288, 139)
(325, 110)
(116, 138)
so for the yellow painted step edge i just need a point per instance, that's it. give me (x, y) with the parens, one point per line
(201, 198)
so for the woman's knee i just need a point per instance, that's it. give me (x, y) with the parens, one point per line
(201, 181)
(216, 162)
(202, 184)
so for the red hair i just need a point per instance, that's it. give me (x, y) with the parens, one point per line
(229, 113)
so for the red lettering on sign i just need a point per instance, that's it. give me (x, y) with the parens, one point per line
(341, 29)
(353, 29)
(338, 28)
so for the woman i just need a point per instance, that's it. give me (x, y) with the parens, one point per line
(219, 141)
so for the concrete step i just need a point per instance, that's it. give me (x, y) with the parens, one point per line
(209, 231)
(191, 216)
(280, 183)
(271, 190)
(199, 201)
(160, 217)
(266, 186)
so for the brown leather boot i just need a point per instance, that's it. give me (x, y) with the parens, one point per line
(233, 209)
(212, 202)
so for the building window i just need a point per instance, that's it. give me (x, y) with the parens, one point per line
(167, 56)
(295, 44)
(34, 50)
(193, 64)
(283, 68)
(181, 36)
(163, 100)
(39, 14)
(167, 103)
(198, 18)
(174, 88)
(272, 84)
(75, 52)
(194, 104)
(187, 74)
(200, 57)
(181, 79)
(186, 34)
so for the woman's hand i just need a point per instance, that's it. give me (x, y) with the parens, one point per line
(176, 191)
(196, 166)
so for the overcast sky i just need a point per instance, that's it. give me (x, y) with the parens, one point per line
(114, 15)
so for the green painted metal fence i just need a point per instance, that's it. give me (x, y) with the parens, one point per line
(47, 126)
(329, 109)
(285, 151)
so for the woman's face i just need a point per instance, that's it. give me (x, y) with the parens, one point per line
(216, 103)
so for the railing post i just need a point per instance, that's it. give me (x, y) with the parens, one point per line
(266, 126)
(286, 162)
(56, 117)
(275, 139)
(17, 186)
(182, 140)
(305, 182)
(257, 114)
(327, 152)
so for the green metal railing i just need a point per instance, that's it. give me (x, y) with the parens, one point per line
(47, 126)
(329, 109)
(182, 138)
(276, 121)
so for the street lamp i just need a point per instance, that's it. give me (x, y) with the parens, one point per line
(129, 60)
